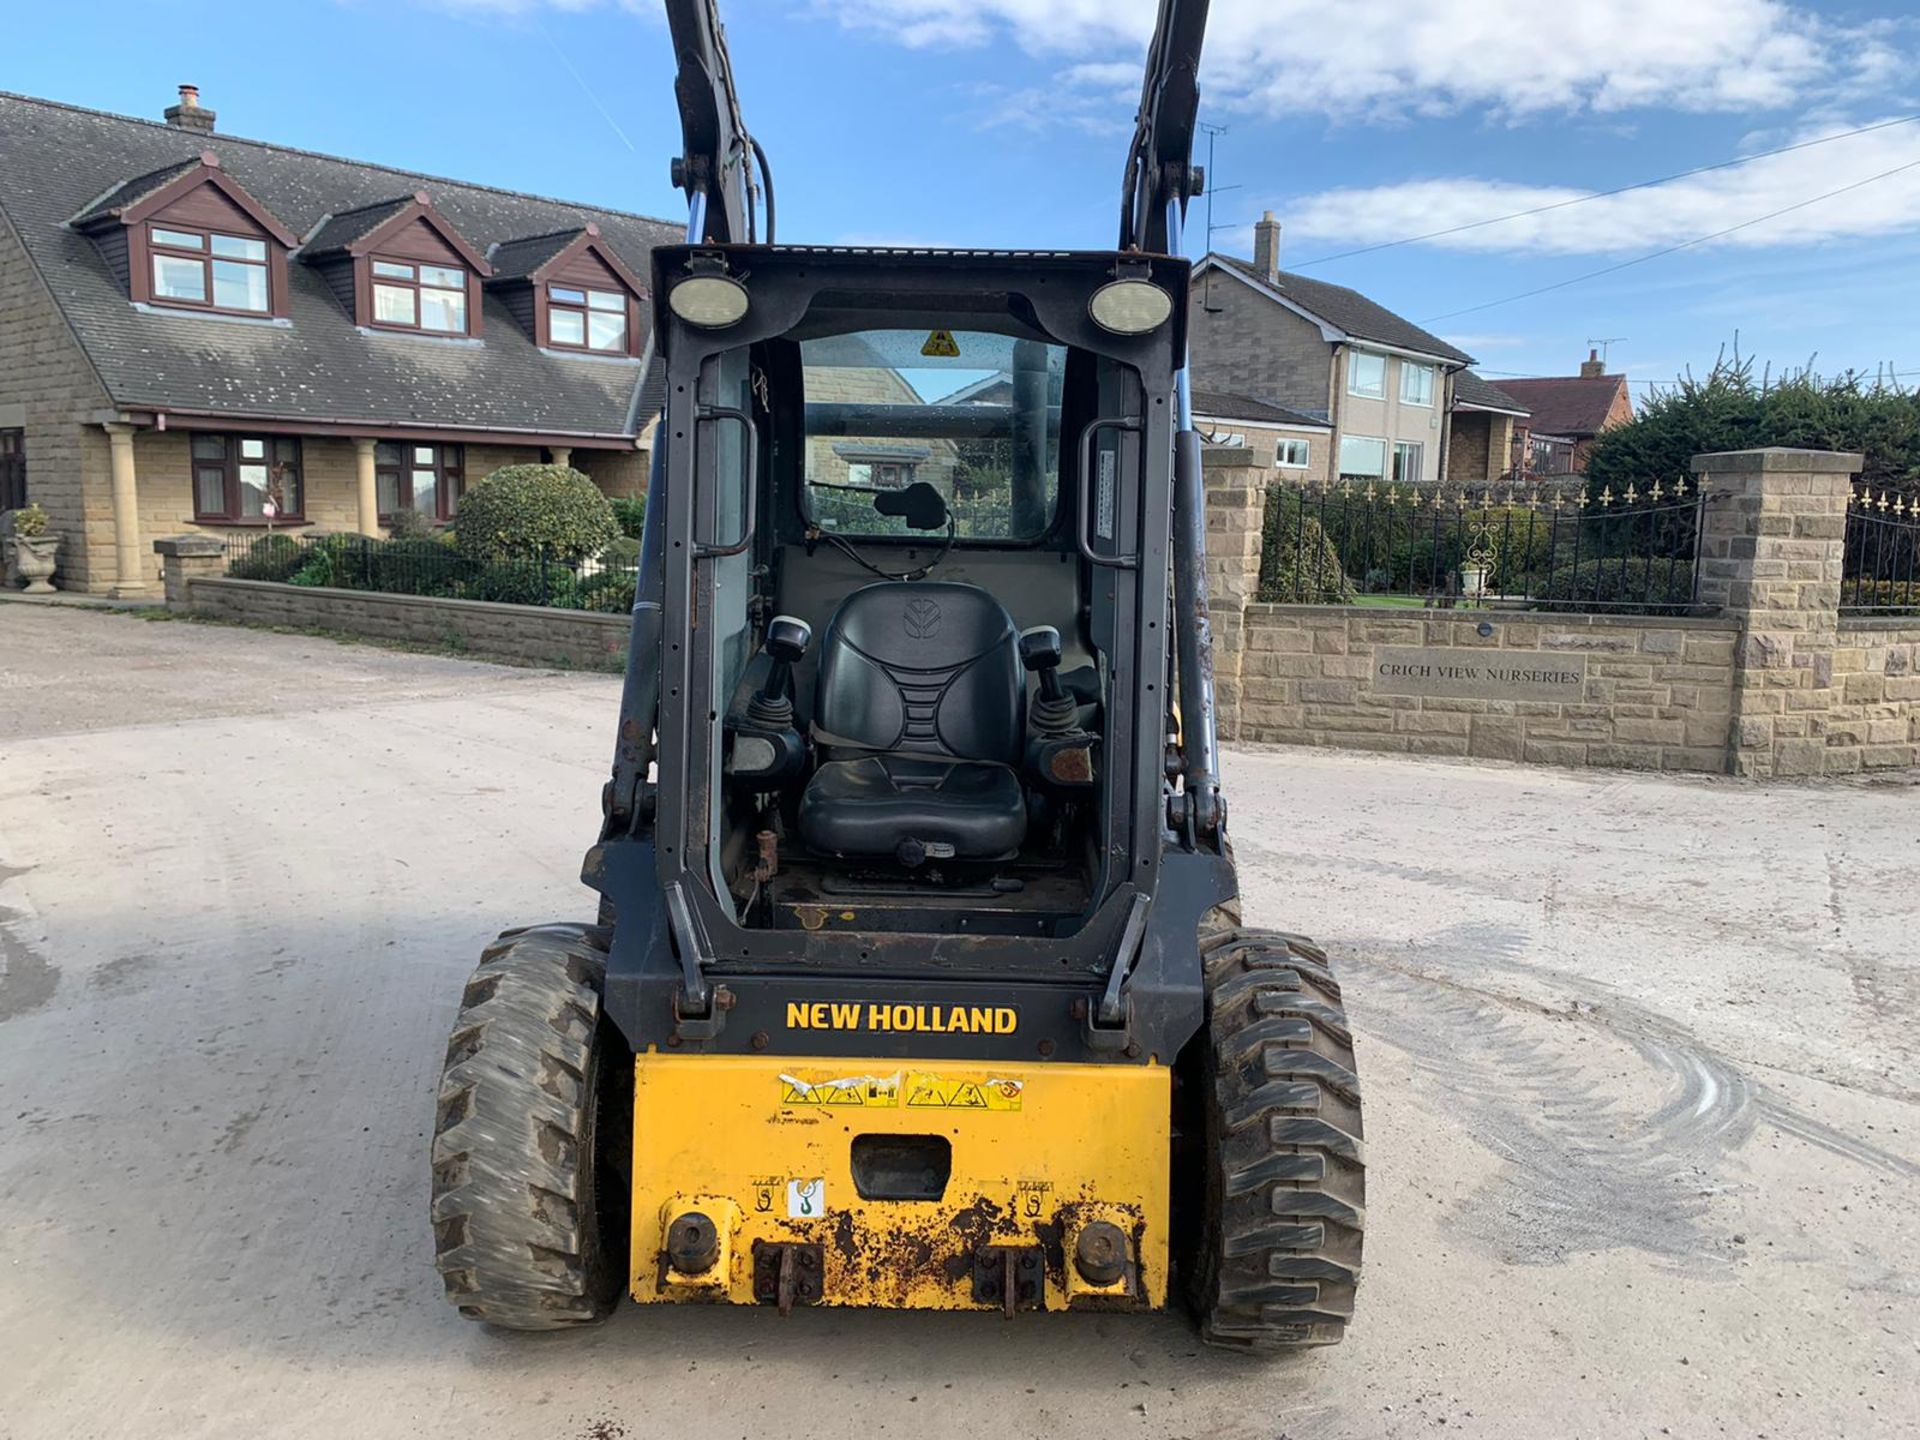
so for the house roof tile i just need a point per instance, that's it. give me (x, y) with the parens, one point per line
(56, 159)
(1476, 391)
(132, 192)
(1575, 406)
(1350, 311)
(339, 231)
(1221, 405)
(517, 259)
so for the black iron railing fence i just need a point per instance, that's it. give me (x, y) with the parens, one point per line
(428, 566)
(1512, 546)
(1882, 572)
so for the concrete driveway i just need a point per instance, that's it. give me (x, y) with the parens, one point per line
(1640, 1057)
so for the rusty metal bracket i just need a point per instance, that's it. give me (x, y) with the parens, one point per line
(1112, 1011)
(1014, 1277)
(787, 1275)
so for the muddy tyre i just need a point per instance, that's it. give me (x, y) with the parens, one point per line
(529, 1187)
(1277, 1207)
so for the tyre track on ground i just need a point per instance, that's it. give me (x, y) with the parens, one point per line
(1587, 1170)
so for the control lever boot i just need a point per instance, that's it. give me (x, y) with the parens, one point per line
(787, 639)
(1053, 712)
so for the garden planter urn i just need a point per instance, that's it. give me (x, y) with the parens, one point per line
(35, 558)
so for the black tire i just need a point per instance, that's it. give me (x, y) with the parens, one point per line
(1275, 1216)
(533, 1124)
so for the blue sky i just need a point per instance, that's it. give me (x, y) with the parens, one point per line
(1001, 122)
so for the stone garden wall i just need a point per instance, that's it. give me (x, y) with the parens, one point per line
(1773, 681)
(1559, 690)
(520, 634)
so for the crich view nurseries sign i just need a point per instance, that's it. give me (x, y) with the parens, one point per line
(1478, 674)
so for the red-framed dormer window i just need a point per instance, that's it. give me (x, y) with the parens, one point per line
(209, 270)
(410, 295)
(579, 318)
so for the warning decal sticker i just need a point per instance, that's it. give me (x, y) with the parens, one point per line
(878, 1092)
(806, 1197)
(962, 1092)
(940, 343)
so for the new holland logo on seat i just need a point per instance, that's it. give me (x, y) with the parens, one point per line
(926, 1019)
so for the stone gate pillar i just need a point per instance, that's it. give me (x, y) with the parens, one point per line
(1236, 486)
(1772, 547)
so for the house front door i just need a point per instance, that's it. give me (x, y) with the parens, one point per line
(13, 469)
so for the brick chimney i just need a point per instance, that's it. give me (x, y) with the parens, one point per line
(188, 115)
(1266, 248)
(1593, 367)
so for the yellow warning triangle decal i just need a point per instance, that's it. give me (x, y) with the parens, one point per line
(940, 343)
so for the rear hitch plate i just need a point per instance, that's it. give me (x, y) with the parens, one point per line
(1014, 1277)
(788, 1274)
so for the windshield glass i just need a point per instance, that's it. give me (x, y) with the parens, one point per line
(974, 414)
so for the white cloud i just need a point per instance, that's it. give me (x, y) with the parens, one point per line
(1641, 219)
(1395, 58)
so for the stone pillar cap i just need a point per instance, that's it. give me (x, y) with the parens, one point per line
(181, 546)
(1779, 457)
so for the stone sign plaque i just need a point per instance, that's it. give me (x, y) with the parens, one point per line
(1474, 674)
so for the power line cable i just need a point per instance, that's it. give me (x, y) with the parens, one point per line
(1671, 249)
(1601, 194)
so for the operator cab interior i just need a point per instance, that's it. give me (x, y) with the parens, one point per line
(914, 668)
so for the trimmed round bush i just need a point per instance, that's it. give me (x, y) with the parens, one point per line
(1299, 565)
(524, 510)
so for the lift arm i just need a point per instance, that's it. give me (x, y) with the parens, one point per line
(1160, 170)
(1160, 180)
(715, 166)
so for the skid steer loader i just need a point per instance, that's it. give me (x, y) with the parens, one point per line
(918, 978)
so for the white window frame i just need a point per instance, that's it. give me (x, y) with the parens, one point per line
(1379, 474)
(1419, 449)
(1354, 357)
(1286, 445)
(1413, 367)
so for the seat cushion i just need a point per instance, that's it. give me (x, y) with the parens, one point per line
(926, 667)
(870, 806)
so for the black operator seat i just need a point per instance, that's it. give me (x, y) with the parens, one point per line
(918, 710)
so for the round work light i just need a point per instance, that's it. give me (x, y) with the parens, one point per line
(712, 302)
(1130, 307)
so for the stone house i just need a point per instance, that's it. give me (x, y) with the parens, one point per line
(1566, 412)
(1381, 385)
(200, 332)
(1481, 430)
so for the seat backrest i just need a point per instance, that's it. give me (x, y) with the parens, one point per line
(927, 667)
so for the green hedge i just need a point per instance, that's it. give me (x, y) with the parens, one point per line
(524, 582)
(611, 592)
(1654, 588)
(271, 557)
(630, 514)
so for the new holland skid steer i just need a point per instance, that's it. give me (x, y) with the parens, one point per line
(918, 979)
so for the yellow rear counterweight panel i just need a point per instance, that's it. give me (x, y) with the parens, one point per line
(1037, 1152)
